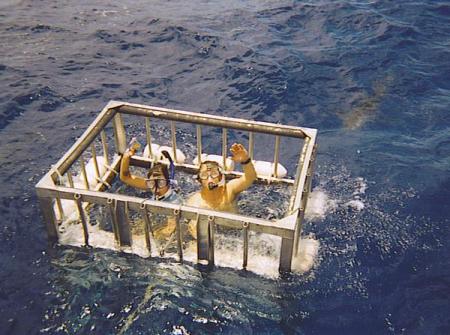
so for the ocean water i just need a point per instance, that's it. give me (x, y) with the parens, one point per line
(372, 76)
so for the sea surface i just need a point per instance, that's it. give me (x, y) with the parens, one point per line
(372, 76)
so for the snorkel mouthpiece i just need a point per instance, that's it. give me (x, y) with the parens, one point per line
(212, 186)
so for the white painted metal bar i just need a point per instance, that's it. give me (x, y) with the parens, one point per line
(276, 156)
(46, 205)
(214, 120)
(224, 148)
(190, 168)
(176, 214)
(174, 140)
(211, 233)
(149, 136)
(147, 228)
(199, 144)
(83, 172)
(298, 172)
(105, 147)
(245, 233)
(60, 209)
(251, 144)
(115, 225)
(70, 178)
(120, 137)
(231, 220)
(82, 217)
(94, 158)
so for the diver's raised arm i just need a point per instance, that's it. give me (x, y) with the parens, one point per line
(125, 174)
(240, 155)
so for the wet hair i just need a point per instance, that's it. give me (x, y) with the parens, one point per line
(211, 163)
(158, 169)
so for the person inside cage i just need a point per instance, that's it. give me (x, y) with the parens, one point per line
(215, 192)
(160, 182)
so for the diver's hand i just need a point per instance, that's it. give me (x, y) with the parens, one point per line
(133, 146)
(239, 153)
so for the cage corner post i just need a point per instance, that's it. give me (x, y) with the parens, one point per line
(48, 213)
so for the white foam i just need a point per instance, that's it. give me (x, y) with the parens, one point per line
(319, 204)
(263, 256)
(306, 256)
(355, 204)
(361, 186)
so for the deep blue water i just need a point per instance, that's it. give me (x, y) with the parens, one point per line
(372, 76)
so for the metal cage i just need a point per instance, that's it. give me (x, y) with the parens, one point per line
(51, 190)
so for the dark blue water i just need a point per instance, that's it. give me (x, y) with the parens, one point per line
(372, 76)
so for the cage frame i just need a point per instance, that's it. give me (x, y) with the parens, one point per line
(50, 191)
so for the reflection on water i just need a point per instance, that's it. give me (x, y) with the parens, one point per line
(367, 105)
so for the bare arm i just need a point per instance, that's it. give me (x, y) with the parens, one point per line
(125, 174)
(240, 184)
(240, 155)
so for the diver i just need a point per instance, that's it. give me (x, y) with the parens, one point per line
(216, 193)
(160, 182)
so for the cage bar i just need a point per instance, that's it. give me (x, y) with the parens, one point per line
(199, 144)
(105, 147)
(174, 140)
(149, 136)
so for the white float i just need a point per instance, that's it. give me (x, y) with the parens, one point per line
(158, 156)
(218, 159)
(266, 169)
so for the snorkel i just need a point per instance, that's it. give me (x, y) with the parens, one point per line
(172, 181)
(212, 185)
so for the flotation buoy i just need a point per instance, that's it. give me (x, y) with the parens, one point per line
(158, 156)
(218, 159)
(264, 168)
(90, 170)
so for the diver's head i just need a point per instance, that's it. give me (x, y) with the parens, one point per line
(158, 179)
(210, 175)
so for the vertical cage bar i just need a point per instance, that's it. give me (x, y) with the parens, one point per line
(70, 179)
(94, 158)
(149, 137)
(83, 172)
(286, 255)
(199, 144)
(176, 213)
(174, 140)
(224, 148)
(60, 209)
(276, 156)
(46, 205)
(112, 210)
(147, 228)
(120, 137)
(82, 218)
(251, 144)
(105, 146)
(211, 231)
(245, 257)
(297, 174)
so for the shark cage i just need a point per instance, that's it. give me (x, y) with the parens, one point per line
(69, 182)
